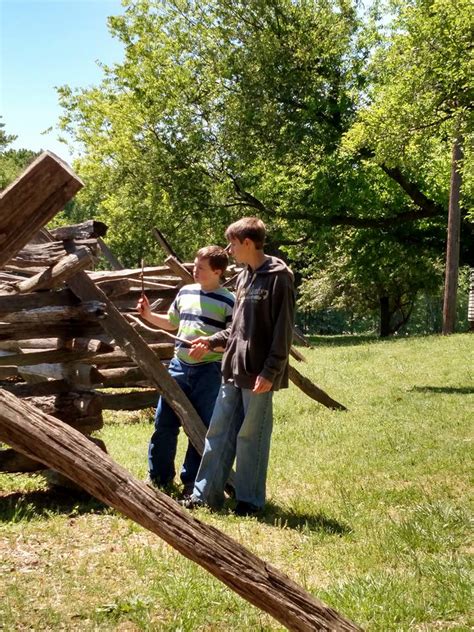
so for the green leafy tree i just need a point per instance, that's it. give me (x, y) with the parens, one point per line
(419, 121)
(240, 108)
(12, 161)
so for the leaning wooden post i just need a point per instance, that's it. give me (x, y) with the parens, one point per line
(313, 391)
(48, 440)
(32, 200)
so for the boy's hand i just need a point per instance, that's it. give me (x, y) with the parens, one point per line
(199, 348)
(143, 307)
(262, 385)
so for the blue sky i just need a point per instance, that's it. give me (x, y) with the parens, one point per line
(47, 43)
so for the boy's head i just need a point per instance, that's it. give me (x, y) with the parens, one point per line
(209, 266)
(247, 228)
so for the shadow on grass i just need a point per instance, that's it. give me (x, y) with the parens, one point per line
(463, 390)
(277, 516)
(19, 506)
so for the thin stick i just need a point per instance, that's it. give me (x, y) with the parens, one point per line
(183, 341)
(143, 283)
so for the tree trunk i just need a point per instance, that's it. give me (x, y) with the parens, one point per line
(453, 241)
(48, 440)
(384, 316)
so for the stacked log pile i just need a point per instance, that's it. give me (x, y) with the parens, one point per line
(54, 352)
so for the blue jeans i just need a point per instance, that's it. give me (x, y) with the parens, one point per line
(201, 384)
(241, 428)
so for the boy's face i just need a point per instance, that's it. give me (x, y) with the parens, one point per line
(239, 249)
(205, 275)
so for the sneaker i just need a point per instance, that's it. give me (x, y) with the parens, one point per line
(188, 489)
(246, 509)
(191, 502)
(229, 490)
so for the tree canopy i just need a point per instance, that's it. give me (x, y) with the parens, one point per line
(319, 119)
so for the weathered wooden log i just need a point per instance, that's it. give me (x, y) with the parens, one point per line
(115, 287)
(45, 255)
(8, 371)
(44, 438)
(50, 356)
(179, 269)
(87, 230)
(294, 353)
(122, 377)
(163, 351)
(160, 238)
(78, 375)
(119, 287)
(93, 345)
(157, 301)
(89, 310)
(137, 349)
(40, 389)
(300, 338)
(132, 400)
(35, 331)
(160, 274)
(57, 274)
(32, 200)
(81, 410)
(37, 300)
(312, 390)
(24, 273)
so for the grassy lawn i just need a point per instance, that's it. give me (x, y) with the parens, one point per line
(368, 509)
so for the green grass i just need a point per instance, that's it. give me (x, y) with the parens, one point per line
(368, 509)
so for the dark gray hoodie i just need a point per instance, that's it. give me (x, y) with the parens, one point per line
(259, 339)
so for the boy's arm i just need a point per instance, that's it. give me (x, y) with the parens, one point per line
(202, 345)
(283, 307)
(162, 321)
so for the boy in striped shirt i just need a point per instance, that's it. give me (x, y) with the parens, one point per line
(200, 309)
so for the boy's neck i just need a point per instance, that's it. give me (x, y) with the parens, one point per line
(210, 287)
(255, 259)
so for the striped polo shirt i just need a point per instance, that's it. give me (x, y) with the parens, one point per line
(200, 313)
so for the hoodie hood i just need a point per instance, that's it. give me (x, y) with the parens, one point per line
(271, 265)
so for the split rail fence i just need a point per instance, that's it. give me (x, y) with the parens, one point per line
(65, 334)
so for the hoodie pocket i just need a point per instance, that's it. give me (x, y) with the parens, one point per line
(241, 361)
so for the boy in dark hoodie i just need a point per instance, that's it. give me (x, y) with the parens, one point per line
(254, 365)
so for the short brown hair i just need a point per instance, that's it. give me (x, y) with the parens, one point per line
(248, 228)
(217, 257)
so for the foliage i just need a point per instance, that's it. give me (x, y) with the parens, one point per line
(420, 94)
(353, 280)
(173, 134)
(12, 161)
(267, 108)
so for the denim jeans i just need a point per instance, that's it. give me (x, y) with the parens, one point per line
(201, 384)
(241, 428)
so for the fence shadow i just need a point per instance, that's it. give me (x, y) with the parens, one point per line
(463, 390)
(19, 506)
